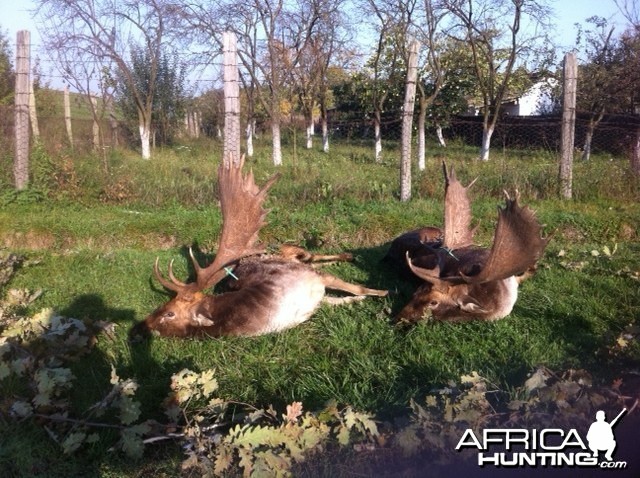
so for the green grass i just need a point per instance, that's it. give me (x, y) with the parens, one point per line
(92, 241)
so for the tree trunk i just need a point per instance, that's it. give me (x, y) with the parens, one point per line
(325, 135)
(310, 131)
(486, 142)
(32, 113)
(324, 120)
(586, 152)
(145, 140)
(96, 125)
(422, 145)
(277, 145)
(440, 136)
(635, 156)
(67, 116)
(378, 137)
(594, 121)
(249, 136)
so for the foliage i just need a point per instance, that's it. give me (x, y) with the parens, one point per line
(7, 74)
(160, 80)
(599, 86)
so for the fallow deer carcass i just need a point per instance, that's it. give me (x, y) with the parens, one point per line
(265, 293)
(463, 281)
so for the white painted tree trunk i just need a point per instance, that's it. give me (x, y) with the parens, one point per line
(635, 156)
(249, 135)
(422, 146)
(378, 144)
(440, 136)
(486, 143)
(277, 145)
(586, 152)
(310, 131)
(145, 140)
(325, 135)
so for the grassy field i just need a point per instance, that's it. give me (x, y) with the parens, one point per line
(90, 239)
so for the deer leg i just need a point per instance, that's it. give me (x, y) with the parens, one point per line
(332, 282)
(298, 254)
(343, 300)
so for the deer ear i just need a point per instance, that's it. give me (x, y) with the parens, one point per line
(469, 304)
(201, 321)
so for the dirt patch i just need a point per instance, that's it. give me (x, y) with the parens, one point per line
(28, 240)
(627, 233)
(572, 234)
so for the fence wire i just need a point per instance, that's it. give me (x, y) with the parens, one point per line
(615, 135)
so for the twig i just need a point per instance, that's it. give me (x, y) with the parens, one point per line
(78, 422)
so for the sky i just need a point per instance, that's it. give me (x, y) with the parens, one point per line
(14, 16)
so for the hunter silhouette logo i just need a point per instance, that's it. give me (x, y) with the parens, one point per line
(600, 435)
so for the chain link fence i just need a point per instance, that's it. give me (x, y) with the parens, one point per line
(616, 135)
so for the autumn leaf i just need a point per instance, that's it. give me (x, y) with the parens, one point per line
(293, 412)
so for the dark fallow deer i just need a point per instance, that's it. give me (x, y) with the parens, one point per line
(463, 281)
(264, 293)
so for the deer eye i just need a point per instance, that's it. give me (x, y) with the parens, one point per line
(433, 303)
(169, 315)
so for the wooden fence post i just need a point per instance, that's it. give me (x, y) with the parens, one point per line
(21, 111)
(407, 121)
(231, 148)
(567, 134)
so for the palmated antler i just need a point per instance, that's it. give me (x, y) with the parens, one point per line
(517, 246)
(243, 215)
(457, 212)
(517, 243)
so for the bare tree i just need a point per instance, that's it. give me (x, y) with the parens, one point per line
(432, 71)
(493, 30)
(387, 65)
(103, 30)
(599, 83)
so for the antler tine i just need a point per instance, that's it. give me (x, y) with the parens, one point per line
(517, 243)
(431, 275)
(178, 283)
(174, 285)
(194, 261)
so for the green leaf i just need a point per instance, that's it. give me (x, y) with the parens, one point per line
(73, 441)
(5, 371)
(343, 436)
(131, 440)
(208, 383)
(21, 409)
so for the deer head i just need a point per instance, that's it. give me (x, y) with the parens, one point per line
(243, 215)
(467, 282)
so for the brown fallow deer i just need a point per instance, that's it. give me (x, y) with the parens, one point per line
(463, 281)
(265, 293)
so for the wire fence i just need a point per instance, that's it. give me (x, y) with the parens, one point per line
(615, 135)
